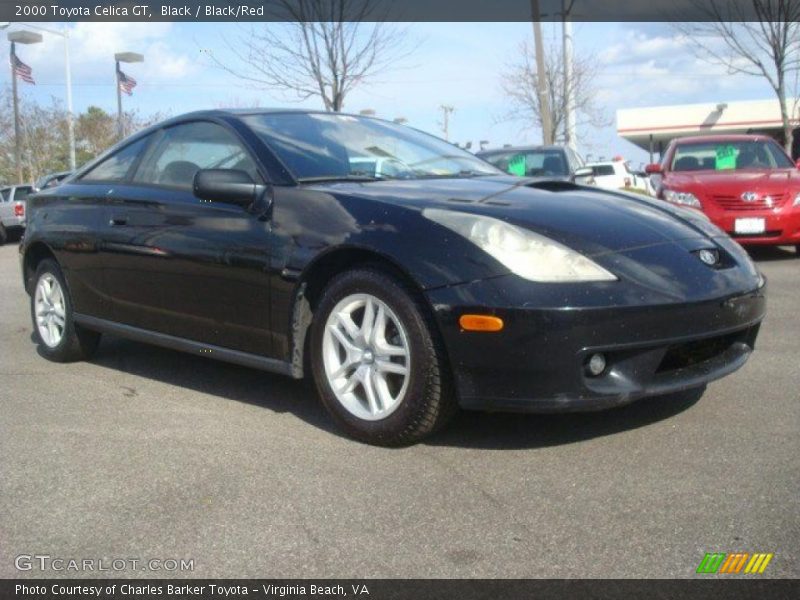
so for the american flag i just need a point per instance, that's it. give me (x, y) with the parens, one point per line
(22, 70)
(126, 82)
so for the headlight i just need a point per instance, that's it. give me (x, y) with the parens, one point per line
(796, 200)
(524, 253)
(682, 198)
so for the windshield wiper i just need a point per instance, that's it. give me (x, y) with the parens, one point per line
(461, 174)
(322, 178)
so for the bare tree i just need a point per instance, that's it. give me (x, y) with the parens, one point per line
(324, 48)
(768, 48)
(520, 81)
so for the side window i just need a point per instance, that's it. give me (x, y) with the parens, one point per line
(116, 166)
(185, 149)
(3, 197)
(21, 193)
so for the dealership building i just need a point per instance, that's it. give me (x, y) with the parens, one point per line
(653, 128)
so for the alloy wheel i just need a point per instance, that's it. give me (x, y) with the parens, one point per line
(366, 356)
(50, 310)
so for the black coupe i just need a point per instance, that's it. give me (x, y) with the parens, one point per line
(408, 276)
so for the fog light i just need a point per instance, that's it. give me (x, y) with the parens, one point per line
(597, 364)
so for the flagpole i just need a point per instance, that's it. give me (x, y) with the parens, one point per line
(120, 125)
(70, 116)
(17, 149)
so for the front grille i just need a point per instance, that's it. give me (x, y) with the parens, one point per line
(767, 234)
(687, 354)
(765, 202)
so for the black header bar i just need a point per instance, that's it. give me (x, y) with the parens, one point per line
(399, 589)
(374, 10)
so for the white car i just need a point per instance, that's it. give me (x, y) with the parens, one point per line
(616, 175)
(12, 209)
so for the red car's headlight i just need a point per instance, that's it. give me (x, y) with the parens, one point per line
(682, 198)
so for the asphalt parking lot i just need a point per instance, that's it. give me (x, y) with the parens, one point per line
(149, 453)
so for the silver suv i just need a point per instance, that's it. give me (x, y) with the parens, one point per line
(12, 209)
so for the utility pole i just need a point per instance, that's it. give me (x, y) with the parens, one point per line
(569, 83)
(541, 76)
(446, 112)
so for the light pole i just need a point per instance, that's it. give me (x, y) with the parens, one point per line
(123, 57)
(18, 37)
(64, 33)
(548, 136)
(569, 76)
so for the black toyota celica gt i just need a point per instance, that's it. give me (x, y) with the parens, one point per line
(407, 276)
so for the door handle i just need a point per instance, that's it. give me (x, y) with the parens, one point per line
(118, 221)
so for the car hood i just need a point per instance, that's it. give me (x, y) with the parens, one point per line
(588, 219)
(734, 183)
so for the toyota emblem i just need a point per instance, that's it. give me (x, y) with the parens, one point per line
(750, 196)
(708, 256)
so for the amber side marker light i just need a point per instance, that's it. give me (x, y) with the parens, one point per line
(480, 323)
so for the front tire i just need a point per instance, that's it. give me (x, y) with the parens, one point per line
(59, 338)
(378, 366)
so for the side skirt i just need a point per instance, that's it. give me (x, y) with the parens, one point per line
(176, 343)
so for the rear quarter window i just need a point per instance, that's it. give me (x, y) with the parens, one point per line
(116, 167)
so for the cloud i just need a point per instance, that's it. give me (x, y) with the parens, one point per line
(656, 67)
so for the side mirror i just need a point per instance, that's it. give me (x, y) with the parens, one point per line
(229, 186)
(653, 168)
(797, 164)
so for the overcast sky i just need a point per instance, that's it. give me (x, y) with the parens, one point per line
(454, 63)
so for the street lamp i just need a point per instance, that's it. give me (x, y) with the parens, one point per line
(123, 57)
(18, 37)
(64, 33)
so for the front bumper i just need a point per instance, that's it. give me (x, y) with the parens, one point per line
(782, 227)
(537, 363)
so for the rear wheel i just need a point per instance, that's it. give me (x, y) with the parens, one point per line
(797, 250)
(376, 361)
(60, 339)
(3, 235)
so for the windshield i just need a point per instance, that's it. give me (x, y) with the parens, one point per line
(602, 170)
(317, 147)
(531, 163)
(729, 156)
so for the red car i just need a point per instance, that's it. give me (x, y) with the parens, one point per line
(746, 184)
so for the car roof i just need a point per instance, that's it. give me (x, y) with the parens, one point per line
(518, 149)
(730, 137)
(244, 112)
(211, 114)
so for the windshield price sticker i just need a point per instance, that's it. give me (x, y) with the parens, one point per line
(726, 157)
